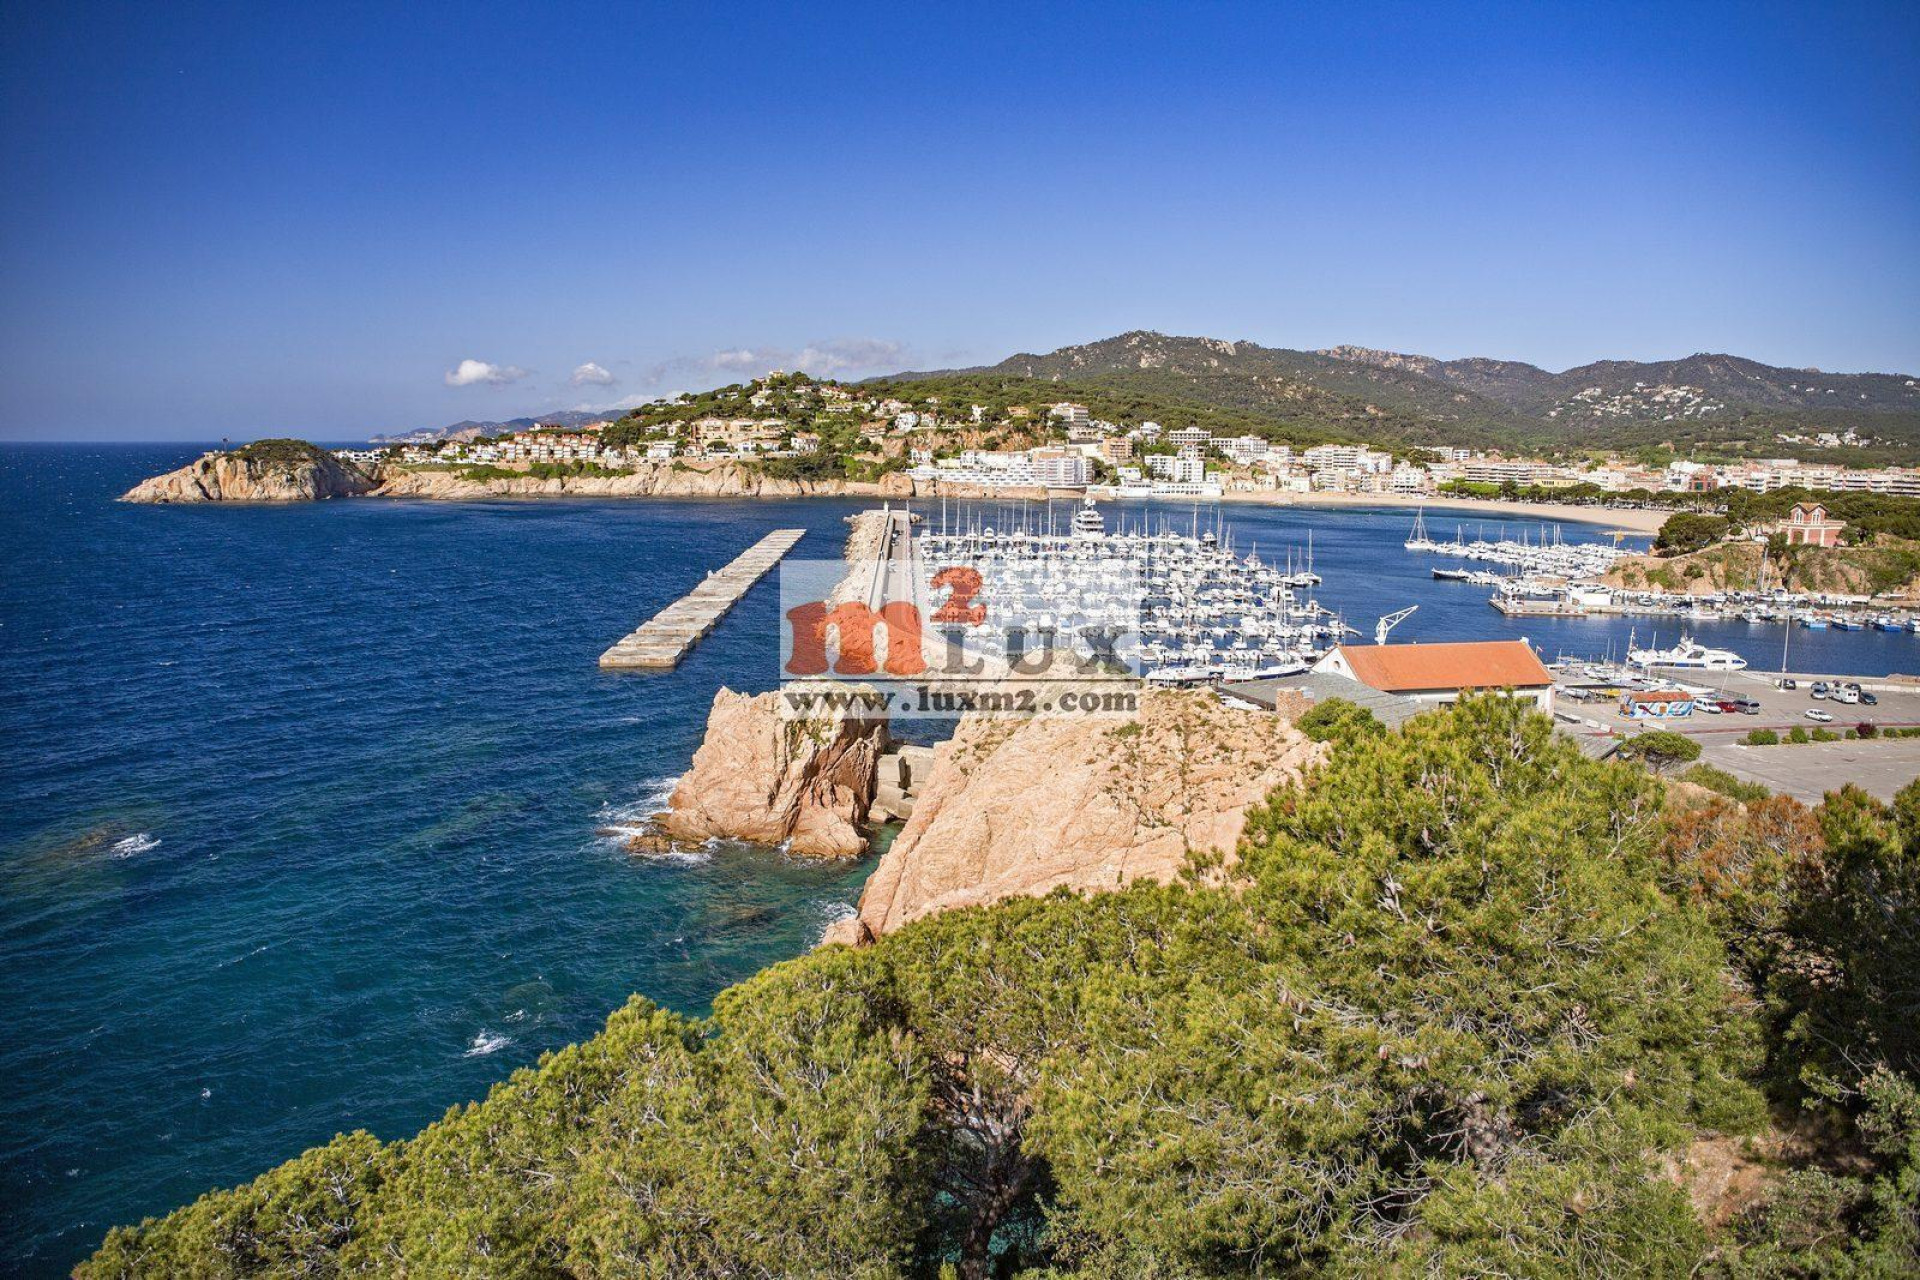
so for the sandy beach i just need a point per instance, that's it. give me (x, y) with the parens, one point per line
(1624, 520)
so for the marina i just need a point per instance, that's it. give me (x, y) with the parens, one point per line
(663, 640)
(1548, 576)
(1174, 606)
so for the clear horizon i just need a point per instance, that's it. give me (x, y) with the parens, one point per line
(229, 221)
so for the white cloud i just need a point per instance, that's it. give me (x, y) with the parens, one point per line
(475, 372)
(845, 355)
(592, 375)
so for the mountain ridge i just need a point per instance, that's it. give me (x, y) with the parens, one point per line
(1708, 398)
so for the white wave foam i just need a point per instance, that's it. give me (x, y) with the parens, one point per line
(831, 912)
(138, 842)
(237, 959)
(486, 1042)
(632, 818)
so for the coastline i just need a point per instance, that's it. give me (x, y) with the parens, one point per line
(218, 478)
(1630, 520)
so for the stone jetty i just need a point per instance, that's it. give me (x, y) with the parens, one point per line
(664, 639)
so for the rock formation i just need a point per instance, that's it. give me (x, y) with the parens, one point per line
(1024, 806)
(242, 476)
(266, 471)
(770, 779)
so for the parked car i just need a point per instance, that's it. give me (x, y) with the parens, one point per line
(1824, 717)
(1709, 706)
(1745, 706)
(1821, 689)
(1868, 700)
(1786, 682)
(1849, 696)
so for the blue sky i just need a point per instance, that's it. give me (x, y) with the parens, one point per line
(275, 218)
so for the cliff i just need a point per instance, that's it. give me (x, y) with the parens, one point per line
(712, 480)
(763, 777)
(264, 471)
(1015, 808)
(1887, 567)
(284, 476)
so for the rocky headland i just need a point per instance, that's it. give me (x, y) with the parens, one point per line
(767, 778)
(1006, 807)
(239, 476)
(264, 471)
(1023, 807)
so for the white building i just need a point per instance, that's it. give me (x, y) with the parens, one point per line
(1245, 450)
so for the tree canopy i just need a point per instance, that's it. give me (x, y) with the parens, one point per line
(1460, 1004)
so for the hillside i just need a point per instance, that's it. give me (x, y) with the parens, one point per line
(1466, 1002)
(1723, 404)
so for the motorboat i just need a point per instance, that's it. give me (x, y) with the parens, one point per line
(1689, 655)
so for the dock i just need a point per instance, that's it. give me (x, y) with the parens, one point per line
(665, 638)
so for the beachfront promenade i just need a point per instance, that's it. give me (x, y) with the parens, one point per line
(660, 642)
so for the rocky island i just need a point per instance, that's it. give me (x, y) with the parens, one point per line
(264, 471)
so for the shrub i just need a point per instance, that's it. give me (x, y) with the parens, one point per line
(1337, 719)
(1660, 749)
(1761, 738)
(1825, 735)
(1716, 779)
(1798, 735)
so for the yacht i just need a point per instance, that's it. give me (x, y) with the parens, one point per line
(1689, 654)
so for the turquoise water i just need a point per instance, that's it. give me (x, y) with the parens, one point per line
(298, 811)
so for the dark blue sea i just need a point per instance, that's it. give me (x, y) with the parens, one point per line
(299, 804)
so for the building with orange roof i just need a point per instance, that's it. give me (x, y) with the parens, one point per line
(1437, 674)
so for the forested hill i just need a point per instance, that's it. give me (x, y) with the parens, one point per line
(1720, 403)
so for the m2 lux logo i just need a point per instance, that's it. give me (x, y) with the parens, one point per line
(855, 625)
(957, 643)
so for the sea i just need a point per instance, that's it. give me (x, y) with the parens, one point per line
(304, 809)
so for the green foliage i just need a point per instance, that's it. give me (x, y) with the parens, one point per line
(1819, 909)
(279, 449)
(1660, 749)
(292, 1220)
(1337, 720)
(1761, 738)
(1455, 998)
(1687, 531)
(805, 466)
(1716, 779)
(1797, 735)
(1435, 933)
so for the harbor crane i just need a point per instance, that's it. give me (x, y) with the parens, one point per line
(1391, 621)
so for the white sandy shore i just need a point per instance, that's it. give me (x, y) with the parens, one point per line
(1625, 520)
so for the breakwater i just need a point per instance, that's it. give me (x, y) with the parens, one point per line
(660, 642)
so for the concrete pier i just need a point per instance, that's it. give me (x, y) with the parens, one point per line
(664, 639)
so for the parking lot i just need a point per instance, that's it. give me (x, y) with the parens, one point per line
(1808, 771)
(1779, 709)
(1805, 771)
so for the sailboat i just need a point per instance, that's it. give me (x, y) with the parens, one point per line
(1418, 539)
